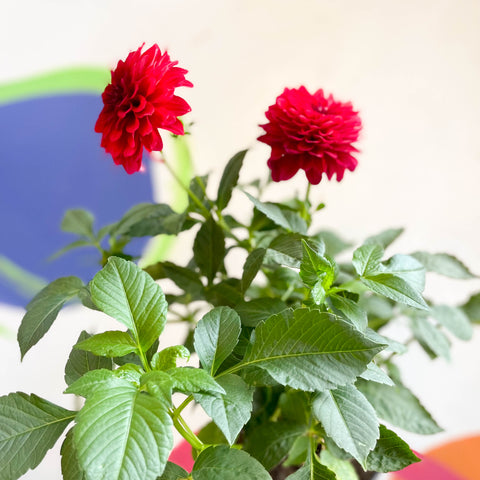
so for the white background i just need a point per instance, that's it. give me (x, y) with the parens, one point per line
(412, 68)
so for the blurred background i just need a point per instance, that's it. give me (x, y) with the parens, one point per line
(411, 68)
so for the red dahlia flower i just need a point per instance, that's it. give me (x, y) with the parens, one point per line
(310, 132)
(139, 100)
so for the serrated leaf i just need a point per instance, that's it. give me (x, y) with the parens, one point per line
(209, 248)
(315, 267)
(350, 310)
(454, 320)
(229, 179)
(193, 380)
(128, 294)
(255, 311)
(123, 434)
(375, 374)
(167, 358)
(223, 463)
(70, 467)
(270, 442)
(43, 310)
(78, 221)
(349, 419)
(173, 472)
(390, 454)
(216, 335)
(395, 288)
(93, 380)
(400, 407)
(252, 265)
(408, 268)
(285, 249)
(443, 264)
(289, 220)
(343, 469)
(160, 385)
(385, 238)
(198, 186)
(29, 427)
(148, 219)
(298, 453)
(108, 344)
(310, 351)
(80, 362)
(366, 259)
(430, 337)
(231, 410)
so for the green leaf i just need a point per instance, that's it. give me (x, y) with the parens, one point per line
(315, 267)
(173, 472)
(229, 179)
(408, 268)
(313, 470)
(160, 385)
(225, 293)
(78, 221)
(216, 335)
(209, 248)
(333, 243)
(198, 186)
(128, 294)
(256, 311)
(400, 407)
(149, 219)
(212, 435)
(80, 362)
(270, 442)
(289, 220)
(430, 337)
(472, 308)
(287, 249)
(443, 264)
(122, 433)
(350, 310)
(349, 419)
(454, 319)
(108, 344)
(310, 351)
(375, 374)
(385, 238)
(396, 288)
(70, 467)
(232, 410)
(43, 310)
(390, 454)
(193, 380)
(252, 265)
(185, 278)
(343, 469)
(93, 380)
(70, 246)
(167, 358)
(298, 453)
(223, 463)
(366, 259)
(29, 427)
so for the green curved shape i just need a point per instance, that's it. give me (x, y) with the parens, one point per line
(69, 80)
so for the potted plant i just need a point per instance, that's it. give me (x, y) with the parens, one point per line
(294, 368)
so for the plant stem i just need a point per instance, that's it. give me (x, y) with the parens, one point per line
(194, 198)
(185, 431)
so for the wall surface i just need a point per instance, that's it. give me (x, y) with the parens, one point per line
(412, 68)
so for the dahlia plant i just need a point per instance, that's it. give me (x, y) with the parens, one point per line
(292, 362)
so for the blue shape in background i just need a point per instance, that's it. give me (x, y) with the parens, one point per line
(51, 161)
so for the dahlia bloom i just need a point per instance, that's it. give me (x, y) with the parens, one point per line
(314, 133)
(139, 100)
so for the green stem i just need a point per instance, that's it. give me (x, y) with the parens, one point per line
(307, 194)
(180, 408)
(185, 431)
(194, 198)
